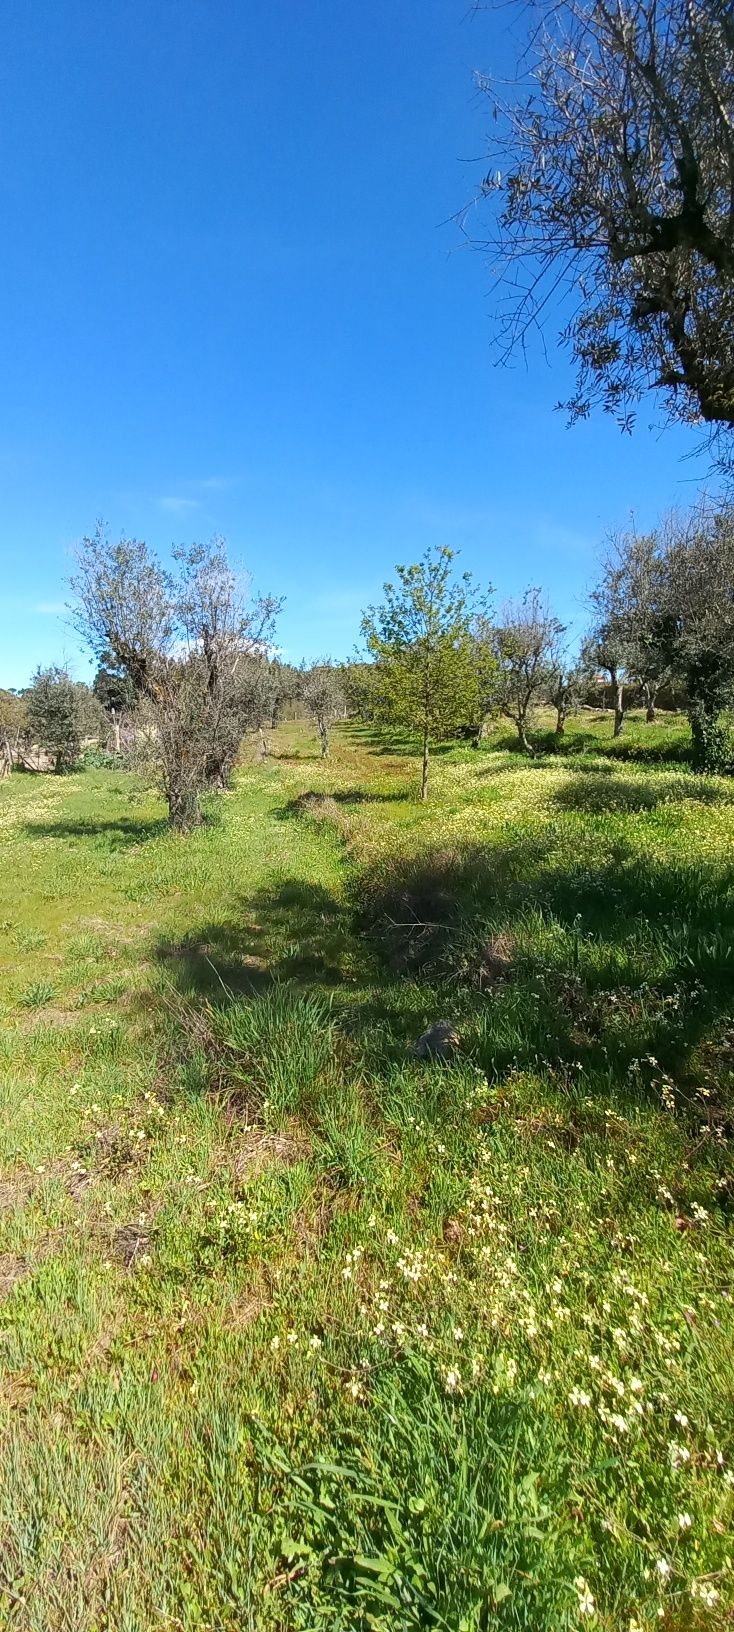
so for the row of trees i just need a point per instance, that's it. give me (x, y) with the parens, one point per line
(187, 666)
(662, 615)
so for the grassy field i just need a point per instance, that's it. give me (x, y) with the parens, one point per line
(298, 1332)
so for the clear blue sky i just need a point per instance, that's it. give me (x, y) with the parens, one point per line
(232, 300)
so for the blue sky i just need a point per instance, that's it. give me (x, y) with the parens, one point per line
(232, 300)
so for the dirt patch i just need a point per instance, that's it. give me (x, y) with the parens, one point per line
(15, 1189)
(50, 1015)
(12, 1270)
(496, 960)
(130, 1243)
(244, 1310)
(260, 1150)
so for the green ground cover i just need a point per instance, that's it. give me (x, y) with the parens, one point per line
(298, 1332)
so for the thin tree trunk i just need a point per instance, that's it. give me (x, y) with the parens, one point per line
(526, 746)
(324, 735)
(479, 734)
(115, 730)
(649, 694)
(424, 769)
(560, 720)
(264, 743)
(618, 707)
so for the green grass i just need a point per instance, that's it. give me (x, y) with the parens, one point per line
(297, 1332)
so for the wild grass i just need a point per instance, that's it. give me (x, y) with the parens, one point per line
(299, 1332)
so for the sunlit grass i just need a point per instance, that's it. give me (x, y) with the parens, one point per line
(298, 1332)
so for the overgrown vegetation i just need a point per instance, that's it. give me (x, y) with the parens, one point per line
(300, 1331)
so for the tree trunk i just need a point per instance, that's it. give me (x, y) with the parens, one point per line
(618, 707)
(526, 746)
(115, 730)
(649, 693)
(424, 769)
(6, 756)
(184, 810)
(264, 743)
(560, 720)
(324, 735)
(480, 734)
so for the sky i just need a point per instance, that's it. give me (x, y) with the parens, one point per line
(233, 300)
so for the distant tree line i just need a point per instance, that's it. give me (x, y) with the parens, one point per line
(187, 664)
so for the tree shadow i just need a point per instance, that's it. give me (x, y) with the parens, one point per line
(314, 803)
(125, 830)
(599, 964)
(293, 931)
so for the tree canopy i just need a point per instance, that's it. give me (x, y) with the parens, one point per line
(611, 190)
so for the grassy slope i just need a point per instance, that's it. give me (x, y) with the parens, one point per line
(299, 1333)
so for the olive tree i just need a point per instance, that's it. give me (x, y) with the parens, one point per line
(697, 604)
(564, 692)
(527, 646)
(422, 645)
(611, 195)
(322, 690)
(184, 637)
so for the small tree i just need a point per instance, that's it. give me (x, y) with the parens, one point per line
(13, 729)
(183, 639)
(526, 646)
(115, 692)
(322, 690)
(698, 621)
(61, 712)
(565, 692)
(421, 642)
(608, 645)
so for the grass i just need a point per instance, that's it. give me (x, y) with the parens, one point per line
(298, 1332)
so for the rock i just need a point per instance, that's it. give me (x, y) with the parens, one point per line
(439, 1042)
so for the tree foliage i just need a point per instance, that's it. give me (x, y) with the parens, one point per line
(527, 651)
(322, 690)
(612, 194)
(61, 712)
(13, 729)
(421, 641)
(190, 645)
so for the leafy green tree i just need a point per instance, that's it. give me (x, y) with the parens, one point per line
(61, 712)
(421, 642)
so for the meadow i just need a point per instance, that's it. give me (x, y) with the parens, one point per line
(298, 1331)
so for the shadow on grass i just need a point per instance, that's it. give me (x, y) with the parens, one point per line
(547, 960)
(317, 805)
(122, 831)
(295, 931)
(559, 959)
